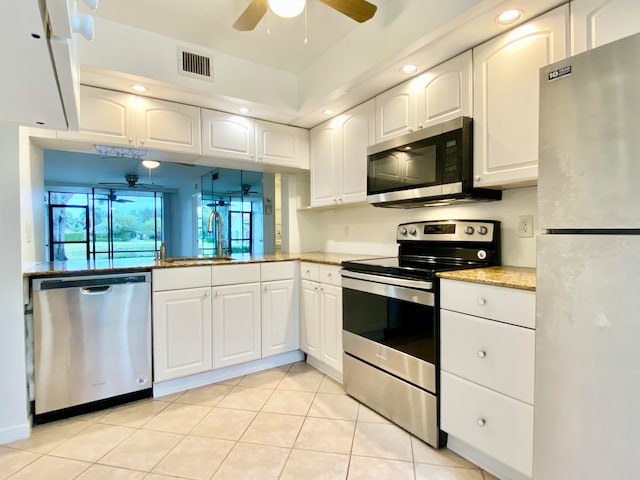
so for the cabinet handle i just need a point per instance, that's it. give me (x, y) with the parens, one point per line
(130, 141)
(420, 126)
(217, 294)
(477, 178)
(339, 200)
(482, 422)
(482, 354)
(409, 130)
(482, 301)
(142, 142)
(307, 272)
(266, 289)
(206, 294)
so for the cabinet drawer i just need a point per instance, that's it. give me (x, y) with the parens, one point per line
(310, 271)
(509, 305)
(181, 277)
(234, 274)
(277, 271)
(330, 274)
(497, 425)
(493, 354)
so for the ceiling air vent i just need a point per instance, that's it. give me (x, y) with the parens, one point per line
(195, 65)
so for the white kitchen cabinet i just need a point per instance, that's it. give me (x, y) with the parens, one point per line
(445, 92)
(228, 136)
(280, 333)
(339, 157)
(121, 119)
(442, 93)
(282, 145)
(596, 22)
(321, 318)
(280, 320)
(182, 325)
(236, 324)
(487, 365)
(506, 98)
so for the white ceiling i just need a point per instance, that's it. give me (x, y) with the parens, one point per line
(209, 23)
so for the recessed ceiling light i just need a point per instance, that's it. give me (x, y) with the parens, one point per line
(150, 164)
(328, 111)
(409, 69)
(139, 88)
(509, 16)
(244, 110)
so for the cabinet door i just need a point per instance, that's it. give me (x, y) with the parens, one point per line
(357, 133)
(106, 118)
(331, 325)
(282, 145)
(506, 99)
(181, 333)
(596, 22)
(310, 318)
(228, 136)
(168, 126)
(324, 164)
(445, 92)
(395, 112)
(236, 324)
(279, 318)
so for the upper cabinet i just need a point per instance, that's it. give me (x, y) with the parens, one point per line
(596, 22)
(235, 137)
(121, 119)
(228, 136)
(282, 145)
(442, 93)
(339, 157)
(506, 98)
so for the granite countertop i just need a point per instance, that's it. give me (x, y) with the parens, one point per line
(523, 278)
(132, 264)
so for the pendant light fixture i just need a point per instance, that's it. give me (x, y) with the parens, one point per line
(287, 8)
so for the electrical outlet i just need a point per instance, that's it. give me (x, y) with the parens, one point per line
(525, 226)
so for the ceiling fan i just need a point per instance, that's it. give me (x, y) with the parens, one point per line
(131, 180)
(358, 10)
(112, 197)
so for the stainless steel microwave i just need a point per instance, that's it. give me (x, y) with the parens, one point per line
(431, 166)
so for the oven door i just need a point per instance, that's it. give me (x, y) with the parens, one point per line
(391, 324)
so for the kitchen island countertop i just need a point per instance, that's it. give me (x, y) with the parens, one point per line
(523, 278)
(129, 264)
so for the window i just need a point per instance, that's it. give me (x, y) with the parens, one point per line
(104, 224)
(241, 226)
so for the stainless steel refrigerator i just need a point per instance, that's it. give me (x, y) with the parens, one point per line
(587, 374)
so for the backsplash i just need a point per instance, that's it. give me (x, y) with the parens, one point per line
(371, 230)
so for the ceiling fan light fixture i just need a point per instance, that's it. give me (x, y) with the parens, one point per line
(150, 164)
(287, 8)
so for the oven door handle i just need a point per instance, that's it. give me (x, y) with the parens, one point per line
(390, 291)
(400, 282)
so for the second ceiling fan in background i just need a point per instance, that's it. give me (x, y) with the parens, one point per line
(358, 10)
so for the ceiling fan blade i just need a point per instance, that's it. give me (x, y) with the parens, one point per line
(358, 10)
(251, 16)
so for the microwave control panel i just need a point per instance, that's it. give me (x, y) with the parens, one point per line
(451, 162)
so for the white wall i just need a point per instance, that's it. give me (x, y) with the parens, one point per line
(371, 230)
(13, 400)
(31, 200)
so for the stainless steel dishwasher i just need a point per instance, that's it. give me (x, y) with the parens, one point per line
(92, 339)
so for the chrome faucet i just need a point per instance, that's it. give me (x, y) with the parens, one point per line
(218, 230)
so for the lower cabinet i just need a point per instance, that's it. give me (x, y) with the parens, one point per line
(279, 319)
(487, 366)
(181, 333)
(236, 324)
(321, 314)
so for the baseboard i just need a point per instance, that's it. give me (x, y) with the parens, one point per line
(324, 368)
(490, 464)
(213, 376)
(16, 432)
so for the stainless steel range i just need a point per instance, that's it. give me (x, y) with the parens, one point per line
(391, 331)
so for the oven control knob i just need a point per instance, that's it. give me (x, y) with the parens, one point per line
(412, 231)
(402, 230)
(482, 230)
(468, 230)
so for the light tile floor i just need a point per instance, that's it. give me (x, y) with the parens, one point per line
(287, 423)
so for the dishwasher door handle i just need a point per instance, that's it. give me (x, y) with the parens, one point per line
(101, 290)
